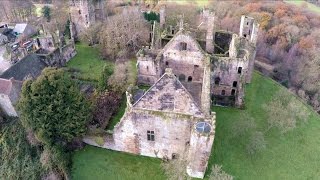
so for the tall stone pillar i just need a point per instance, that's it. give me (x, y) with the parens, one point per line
(210, 34)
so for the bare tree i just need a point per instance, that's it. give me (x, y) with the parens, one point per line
(218, 174)
(124, 33)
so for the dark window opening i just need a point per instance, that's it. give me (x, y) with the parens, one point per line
(247, 23)
(79, 11)
(148, 68)
(223, 92)
(239, 70)
(174, 156)
(172, 31)
(183, 46)
(150, 37)
(245, 35)
(196, 66)
(235, 83)
(233, 92)
(189, 79)
(167, 63)
(217, 80)
(150, 135)
(38, 42)
(182, 77)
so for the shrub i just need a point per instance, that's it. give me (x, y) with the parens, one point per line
(256, 143)
(218, 174)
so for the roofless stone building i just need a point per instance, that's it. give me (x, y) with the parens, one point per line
(189, 71)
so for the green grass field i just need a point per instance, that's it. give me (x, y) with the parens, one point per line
(101, 164)
(88, 62)
(294, 155)
(310, 6)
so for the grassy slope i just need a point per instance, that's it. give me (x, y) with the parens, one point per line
(295, 155)
(88, 62)
(310, 6)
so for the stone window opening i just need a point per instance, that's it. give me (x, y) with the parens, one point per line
(223, 92)
(183, 46)
(234, 84)
(79, 11)
(217, 80)
(196, 66)
(150, 135)
(148, 68)
(245, 35)
(174, 156)
(189, 79)
(172, 31)
(233, 92)
(239, 70)
(167, 63)
(182, 77)
(247, 23)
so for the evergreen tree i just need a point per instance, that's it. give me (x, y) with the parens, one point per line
(46, 12)
(53, 107)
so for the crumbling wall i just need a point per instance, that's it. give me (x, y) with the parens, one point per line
(147, 70)
(226, 77)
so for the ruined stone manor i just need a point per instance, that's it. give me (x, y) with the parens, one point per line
(189, 71)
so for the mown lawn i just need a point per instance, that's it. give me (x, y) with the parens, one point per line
(310, 6)
(294, 155)
(88, 61)
(101, 164)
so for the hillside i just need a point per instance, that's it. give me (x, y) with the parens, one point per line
(291, 155)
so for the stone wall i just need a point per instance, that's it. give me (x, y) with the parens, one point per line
(6, 105)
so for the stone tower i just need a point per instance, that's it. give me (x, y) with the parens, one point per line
(249, 29)
(82, 14)
(210, 33)
(201, 140)
(162, 16)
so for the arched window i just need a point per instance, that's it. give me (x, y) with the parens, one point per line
(235, 83)
(217, 80)
(167, 63)
(189, 79)
(223, 92)
(182, 77)
(233, 92)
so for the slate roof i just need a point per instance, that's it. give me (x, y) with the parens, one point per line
(168, 94)
(29, 66)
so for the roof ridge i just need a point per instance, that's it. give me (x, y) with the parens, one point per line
(168, 73)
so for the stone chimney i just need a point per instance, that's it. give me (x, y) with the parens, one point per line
(162, 16)
(210, 33)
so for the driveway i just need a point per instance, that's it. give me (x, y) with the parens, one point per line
(4, 64)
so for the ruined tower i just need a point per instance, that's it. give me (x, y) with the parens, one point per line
(201, 141)
(249, 29)
(210, 33)
(162, 17)
(82, 14)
